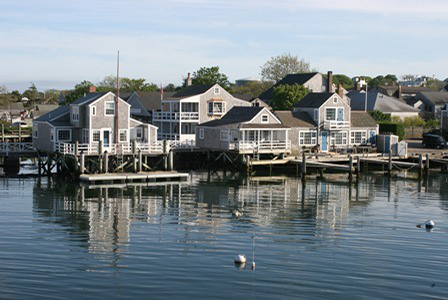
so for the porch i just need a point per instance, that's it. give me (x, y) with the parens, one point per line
(263, 141)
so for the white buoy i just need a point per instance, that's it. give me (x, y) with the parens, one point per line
(240, 258)
(429, 224)
(236, 213)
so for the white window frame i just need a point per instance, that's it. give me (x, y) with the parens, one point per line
(310, 135)
(224, 135)
(354, 140)
(334, 136)
(326, 113)
(105, 108)
(93, 110)
(213, 111)
(64, 140)
(138, 133)
(93, 135)
(267, 118)
(85, 136)
(121, 131)
(201, 133)
(335, 100)
(216, 90)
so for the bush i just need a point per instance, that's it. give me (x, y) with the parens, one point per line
(393, 128)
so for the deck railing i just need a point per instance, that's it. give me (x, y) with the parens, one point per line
(184, 116)
(16, 148)
(332, 125)
(122, 148)
(260, 145)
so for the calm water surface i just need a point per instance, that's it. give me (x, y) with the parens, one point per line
(324, 240)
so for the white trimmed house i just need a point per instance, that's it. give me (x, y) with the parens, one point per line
(89, 121)
(245, 130)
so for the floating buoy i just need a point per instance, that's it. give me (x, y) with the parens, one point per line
(241, 259)
(236, 213)
(428, 224)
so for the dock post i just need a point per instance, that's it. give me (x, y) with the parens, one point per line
(39, 164)
(303, 166)
(427, 164)
(389, 168)
(76, 150)
(140, 162)
(420, 164)
(49, 158)
(350, 171)
(20, 134)
(134, 156)
(297, 170)
(358, 166)
(106, 162)
(170, 160)
(83, 161)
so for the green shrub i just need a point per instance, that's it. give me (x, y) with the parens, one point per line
(393, 128)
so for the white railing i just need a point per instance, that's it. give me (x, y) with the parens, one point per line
(332, 125)
(16, 148)
(182, 144)
(185, 116)
(260, 145)
(123, 148)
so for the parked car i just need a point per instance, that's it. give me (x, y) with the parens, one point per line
(433, 141)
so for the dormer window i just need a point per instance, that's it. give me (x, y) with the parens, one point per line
(264, 118)
(216, 90)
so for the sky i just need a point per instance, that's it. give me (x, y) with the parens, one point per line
(60, 43)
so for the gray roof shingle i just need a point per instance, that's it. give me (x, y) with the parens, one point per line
(314, 100)
(361, 119)
(378, 101)
(54, 114)
(289, 79)
(295, 119)
(192, 90)
(437, 98)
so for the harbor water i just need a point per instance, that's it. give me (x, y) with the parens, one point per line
(326, 239)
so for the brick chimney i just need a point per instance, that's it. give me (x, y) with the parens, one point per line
(189, 80)
(330, 81)
(92, 89)
(399, 91)
(340, 91)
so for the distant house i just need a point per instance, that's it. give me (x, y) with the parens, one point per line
(179, 114)
(315, 82)
(259, 102)
(88, 121)
(12, 112)
(399, 91)
(42, 109)
(144, 103)
(245, 130)
(327, 121)
(433, 102)
(378, 101)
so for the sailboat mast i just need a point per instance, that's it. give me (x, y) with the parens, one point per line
(116, 99)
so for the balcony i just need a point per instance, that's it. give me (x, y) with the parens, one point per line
(335, 125)
(175, 116)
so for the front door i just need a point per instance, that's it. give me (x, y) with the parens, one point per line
(106, 140)
(372, 137)
(324, 138)
(340, 114)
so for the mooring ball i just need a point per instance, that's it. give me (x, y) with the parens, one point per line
(429, 224)
(240, 258)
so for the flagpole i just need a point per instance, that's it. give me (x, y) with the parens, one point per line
(116, 98)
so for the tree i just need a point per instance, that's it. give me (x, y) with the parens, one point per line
(31, 93)
(435, 84)
(432, 124)
(253, 88)
(170, 88)
(279, 66)
(210, 75)
(285, 96)
(389, 79)
(80, 89)
(379, 116)
(344, 80)
(134, 85)
(414, 122)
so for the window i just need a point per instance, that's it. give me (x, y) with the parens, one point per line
(123, 135)
(338, 138)
(335, 100)
(85, 136)
(316, 114)
(330, 114)
(201, 133)
(96, 136)
(35, 130)
(308, 138)
(216, 90)
(139, 133)
(52, 135)
(264, 118)
(216, 108)
(64, 135)
(75, 117)
(358, 137)
(224, 135)
(93, 110)
(110, 108)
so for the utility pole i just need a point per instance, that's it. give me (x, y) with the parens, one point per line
(367, 89)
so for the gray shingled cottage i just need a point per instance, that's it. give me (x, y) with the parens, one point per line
(327, 121)
(88, 121)
(245, 130)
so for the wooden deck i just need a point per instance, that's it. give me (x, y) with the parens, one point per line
(110, 178)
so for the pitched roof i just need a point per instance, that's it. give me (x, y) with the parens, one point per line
(378, 101)
(54, 114)
(295, 119)
(246, 97)
(46, 107)
(89, 98)
(438, 98)
(314, 100)
(289, 79)
(152, 100)
(192, 90)
(13, 106)
(361, 119)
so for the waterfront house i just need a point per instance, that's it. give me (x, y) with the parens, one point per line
(88, 121)
(432, 103)
(179, 114)
(144, 103)
(378, 101)
(327, 122)
(245, 130)
(12, 112)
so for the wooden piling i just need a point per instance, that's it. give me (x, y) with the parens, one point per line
(106, 162)
(83, 162)
(140, 161)
(100, 147)
(20, 133)
(420, 164)
(49, 158)
(303, 166)
(427, 164)
(170, 160)
(134, 156)
(350, 171)
(389, 166)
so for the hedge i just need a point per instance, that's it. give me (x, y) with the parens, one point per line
(394, 128)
